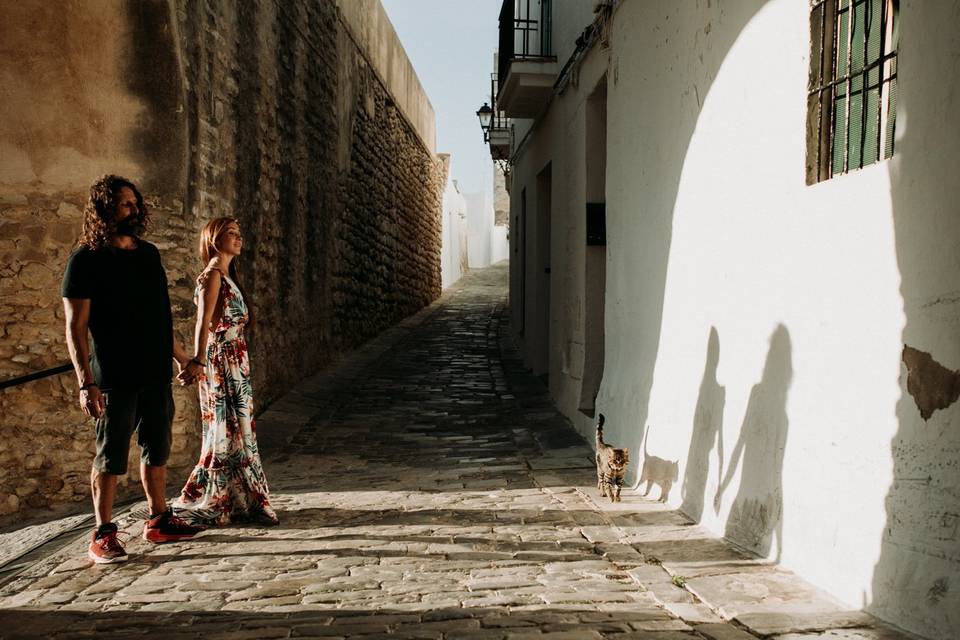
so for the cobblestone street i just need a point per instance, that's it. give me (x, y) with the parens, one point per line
(427, 488)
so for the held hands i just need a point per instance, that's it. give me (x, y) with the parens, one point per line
(190, 373)
(91, 401)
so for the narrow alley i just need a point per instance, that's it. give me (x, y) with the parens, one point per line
(427, 488)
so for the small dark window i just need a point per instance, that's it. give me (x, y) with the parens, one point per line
(852, 103)
(596, 224)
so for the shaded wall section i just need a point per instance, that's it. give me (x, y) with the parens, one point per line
(296, 134)
(281, 114)
(105, 99)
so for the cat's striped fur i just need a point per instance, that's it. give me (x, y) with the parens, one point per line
(611, 466)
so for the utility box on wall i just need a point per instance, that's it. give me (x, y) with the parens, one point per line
(596, 224)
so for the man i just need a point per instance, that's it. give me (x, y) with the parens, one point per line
(115, 287)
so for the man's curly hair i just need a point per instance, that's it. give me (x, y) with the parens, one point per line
(99, 214)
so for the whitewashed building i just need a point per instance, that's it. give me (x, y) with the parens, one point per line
(735, 232)
(487, 240)
(472, 237)
(454, 232)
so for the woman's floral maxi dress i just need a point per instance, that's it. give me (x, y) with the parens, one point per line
(228, 482)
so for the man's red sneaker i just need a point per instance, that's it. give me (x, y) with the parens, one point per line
(167, 527)
(106, 549)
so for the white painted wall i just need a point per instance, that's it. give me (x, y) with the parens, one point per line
(741, 302)
(470, 239)
(569, 19)
(487, 243)
(453, 255)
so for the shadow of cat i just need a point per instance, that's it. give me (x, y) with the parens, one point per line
(657, 471)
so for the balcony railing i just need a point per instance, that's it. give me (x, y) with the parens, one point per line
(499, 120)
(525, 28)
(499, 135)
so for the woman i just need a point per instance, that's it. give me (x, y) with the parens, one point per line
(228, 483)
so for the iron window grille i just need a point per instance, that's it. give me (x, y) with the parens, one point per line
(525, 32)
(851, 104)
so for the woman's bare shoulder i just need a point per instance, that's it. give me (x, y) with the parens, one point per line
(211, 276)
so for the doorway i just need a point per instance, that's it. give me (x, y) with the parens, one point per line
(540, 347)
(595, 257)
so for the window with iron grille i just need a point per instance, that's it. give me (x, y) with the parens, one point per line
(852, 100)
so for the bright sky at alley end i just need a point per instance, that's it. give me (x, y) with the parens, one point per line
(450, 44)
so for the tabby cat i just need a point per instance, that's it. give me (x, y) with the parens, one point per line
(611, 465)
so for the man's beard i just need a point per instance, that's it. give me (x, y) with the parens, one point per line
(130, 226)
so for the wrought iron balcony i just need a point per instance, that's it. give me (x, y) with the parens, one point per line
(500, 131)
(527, 67)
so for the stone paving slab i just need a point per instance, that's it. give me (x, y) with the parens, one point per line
(872, 633)
(427, 488)
(18, 542)
(779, 622)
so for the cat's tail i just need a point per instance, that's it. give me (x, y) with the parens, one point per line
(600, 431)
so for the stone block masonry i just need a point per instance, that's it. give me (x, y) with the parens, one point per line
(290, 116)
(384, 225)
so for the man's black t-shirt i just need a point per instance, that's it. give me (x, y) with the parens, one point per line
(130, 316)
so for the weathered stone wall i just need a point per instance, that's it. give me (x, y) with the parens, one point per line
(263, 103)
(336, 192)
(268, 111)
(70, 114)
(501, 198)
(384, 225)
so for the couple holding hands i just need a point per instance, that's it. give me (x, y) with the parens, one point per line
(115, 289)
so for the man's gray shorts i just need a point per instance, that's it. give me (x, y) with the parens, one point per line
(149, 412)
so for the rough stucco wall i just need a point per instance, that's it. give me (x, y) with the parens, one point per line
(265, 111)
(569, 19)
(794, 348)
(782, 308)
(917, 577)
(567, 283)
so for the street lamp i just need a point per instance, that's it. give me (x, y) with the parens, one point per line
(485, 113)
